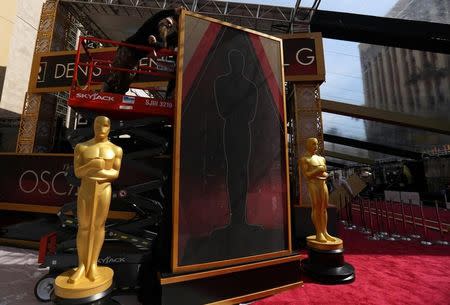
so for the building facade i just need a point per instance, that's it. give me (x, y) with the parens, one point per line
(408, 81)
(19, 21)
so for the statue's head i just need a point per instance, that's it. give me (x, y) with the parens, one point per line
(236, 61)
(102, 126)
(312, 145)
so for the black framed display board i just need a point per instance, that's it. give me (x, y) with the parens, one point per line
(230, 166)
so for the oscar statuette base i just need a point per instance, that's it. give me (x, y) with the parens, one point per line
(325, 262)
(84, 291)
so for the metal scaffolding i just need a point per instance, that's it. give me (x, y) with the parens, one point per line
(263, 18)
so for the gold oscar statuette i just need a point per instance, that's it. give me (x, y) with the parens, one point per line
(315, 171)
(97, 163)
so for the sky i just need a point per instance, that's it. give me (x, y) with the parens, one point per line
(342, 63)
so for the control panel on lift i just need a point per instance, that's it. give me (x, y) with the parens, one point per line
(143, 99)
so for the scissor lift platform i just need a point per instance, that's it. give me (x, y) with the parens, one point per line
(118, 106)
(150, 101)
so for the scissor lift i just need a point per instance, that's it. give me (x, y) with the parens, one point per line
(85, 94)
(145, 120)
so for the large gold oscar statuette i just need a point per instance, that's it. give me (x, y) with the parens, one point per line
(97, 163)
(325, 261)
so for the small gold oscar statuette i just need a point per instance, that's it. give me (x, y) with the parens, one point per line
(315, 171)
(325, 260)
(97, 163)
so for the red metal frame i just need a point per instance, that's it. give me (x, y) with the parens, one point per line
(117, 105)
(47, 245)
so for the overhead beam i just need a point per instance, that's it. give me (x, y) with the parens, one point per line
(389, 150)
(264, 18)
(395, 118)
(401, 33)
(293, 13)
(349, 157)
(418, 35)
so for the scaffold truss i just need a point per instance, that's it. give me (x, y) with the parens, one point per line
(263, 18)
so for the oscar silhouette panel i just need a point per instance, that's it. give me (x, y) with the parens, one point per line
(232, 200)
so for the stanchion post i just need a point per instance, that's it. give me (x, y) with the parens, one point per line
(395, 233)
(414, 235)
(442, 241)
(347, 211)
(377, 213)
(425, 241)
(341, 211)
(364, 229)
(382, 225)
(374, 235)
(389, 232)
(376, 220)
(349, 225)
(405, 233)
(361, 211)
(370, 215)
(350, 206)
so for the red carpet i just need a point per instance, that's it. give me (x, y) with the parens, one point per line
(386, 273)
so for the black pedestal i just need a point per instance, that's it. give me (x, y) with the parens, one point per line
(328, 266)
(231, 285)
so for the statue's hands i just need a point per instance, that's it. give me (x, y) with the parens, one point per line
(98, 163)
(321, 172)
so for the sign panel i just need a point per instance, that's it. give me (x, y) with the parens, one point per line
(53, 71)
(230, 187)
(36, 179)
(40, 180)
(303, 57)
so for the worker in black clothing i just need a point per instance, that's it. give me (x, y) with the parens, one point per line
(159, 31)
(159, 27)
